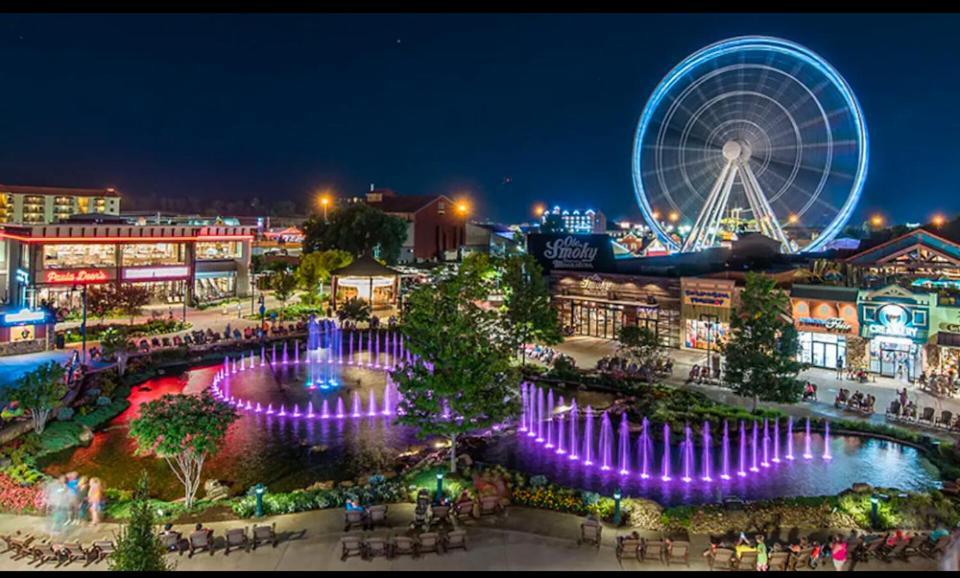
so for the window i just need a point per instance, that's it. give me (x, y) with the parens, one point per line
(213, 250)
(142, 254)
(78, 256)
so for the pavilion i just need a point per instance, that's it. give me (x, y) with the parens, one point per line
(366, 279)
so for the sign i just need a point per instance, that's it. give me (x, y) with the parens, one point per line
(23, 317)
(708, 297)
(595, 285)
(829, 324)
(950, 327)
(156, 273)
(572, 252)
(76, 276)
(23, 333)
(892, 320)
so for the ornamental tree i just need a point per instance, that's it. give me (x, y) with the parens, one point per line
(461, 378)
(528, 316)
(41, 391)
(115, 343)
(761, 351)
(315, 268)
(284, 283)
(131, 299)
(138, 548)
(358, 229)
(183, 430)
(101, 300)
(640, 345)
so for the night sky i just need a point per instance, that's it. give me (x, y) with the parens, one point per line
(511, 109)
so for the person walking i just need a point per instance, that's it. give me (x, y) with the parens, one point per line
(95, 500)
(762, 565)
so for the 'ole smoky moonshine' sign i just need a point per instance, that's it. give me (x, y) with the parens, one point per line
(572, 252)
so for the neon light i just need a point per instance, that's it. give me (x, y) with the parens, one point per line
(750, 43)
(148, 273)
(155, 239)
(78, 276)
(25, 316)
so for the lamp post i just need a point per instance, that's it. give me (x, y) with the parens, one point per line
(874, 507)
(439, 487)
(263, 311)
(83, 323)
(259, 490)
(324, 202)
(616, 506)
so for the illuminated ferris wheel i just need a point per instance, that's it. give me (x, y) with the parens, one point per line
(752, 133)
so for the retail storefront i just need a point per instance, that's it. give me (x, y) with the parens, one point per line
(25, 331)
(599, 305)
(706, 309)
(896, 324)
(50, 263)
(944, 350)
(826, 321)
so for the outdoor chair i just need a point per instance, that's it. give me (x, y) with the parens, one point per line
(45, 552)
(99, 551)
(353, 518)
(722, 559)
(801, 561)
(265, 535)
(778, 561)
(455, 539)
(351, 545)
(913, 546)
(926, 416)
(490, 505)
(377, 516)
(746, 561)
(463, 508)
(200, 541)
(173, 542)
(18, 543)
(897, 552)
(653, 549)
(630, 546)
(429, 542)
(946, 419)
(439, 515)
(375, 546)
(679, 552)
(402, 546)
(893, 411)
(237, 538)
(71, 551)
(590, 533)
(874, 548)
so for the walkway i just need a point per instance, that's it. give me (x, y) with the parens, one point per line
(522, 539)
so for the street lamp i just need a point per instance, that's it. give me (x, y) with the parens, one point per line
(938, 220)
(83, 322)
(874, 507)
(259, 490)
(616, 506)
(263, 311)
(324, 202)
(439, 487)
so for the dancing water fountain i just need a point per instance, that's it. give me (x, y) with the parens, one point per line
(725, 472)
(706, 462)
(766, 439)
(753, 449)
(790, 437)
(776, 440)
(549, 419)
(807, 454)
(588, 438)
(645, 448)
(826, 441)
(623, 445)
(665, 460)
(323, 348)
(742, 471)
(574, 418)
(606, 441)
(686, 452)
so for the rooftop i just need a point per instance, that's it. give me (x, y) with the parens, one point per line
(58, 191)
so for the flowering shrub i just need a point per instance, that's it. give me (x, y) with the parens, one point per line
(18, 498)
(551, 498)
(306, 500)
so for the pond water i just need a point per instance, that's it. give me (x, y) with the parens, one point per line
(288, 453)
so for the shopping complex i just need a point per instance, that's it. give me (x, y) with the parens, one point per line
(894, 312)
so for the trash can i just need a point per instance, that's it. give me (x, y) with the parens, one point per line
(61, 341)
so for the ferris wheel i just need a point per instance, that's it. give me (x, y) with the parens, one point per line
(751, 133)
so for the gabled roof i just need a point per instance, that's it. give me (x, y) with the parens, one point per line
(824, 293)
(59, 191)
(917, 238)
(365, 266)
(406, 203)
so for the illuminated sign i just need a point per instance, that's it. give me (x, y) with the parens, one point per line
(595, 285)
(829, 324)
(892, 320)
(156, 273)
(76, 276)
(709, 297)
(24, 317)
(25, 333)
(572, 252)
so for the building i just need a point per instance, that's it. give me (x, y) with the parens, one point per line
(492, 239)
(589, 221)
(827, 325)
(436, 225)
(29, 205)
(47, 263)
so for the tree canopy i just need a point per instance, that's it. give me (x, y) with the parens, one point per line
(761, 351)
(183, 430)
(138, 548)
(315, 268)
(461, 378)
(528, 314)
(41, 391)
(358, 229)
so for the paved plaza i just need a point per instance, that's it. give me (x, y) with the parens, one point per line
(522, 539)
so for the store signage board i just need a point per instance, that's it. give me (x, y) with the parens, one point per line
(156, 273)
(829, 324)
(595, 285)
(572, 252)
(708, 297)
(25, 333)
(24, 317)
(894, 321)
(77, 276)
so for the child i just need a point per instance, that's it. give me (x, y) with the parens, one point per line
(761, 554)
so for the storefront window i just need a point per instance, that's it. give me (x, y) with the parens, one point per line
(213, 250)
(80, 255)
(152, 254)
(895, 357)
(209, 289)
(822, 350)
(704, 334)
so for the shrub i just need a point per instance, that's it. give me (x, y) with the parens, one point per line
(65, 414)
(18, 498)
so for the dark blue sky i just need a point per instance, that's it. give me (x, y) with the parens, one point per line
(277, 105)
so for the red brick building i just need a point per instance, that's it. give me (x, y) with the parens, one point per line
(436, 224)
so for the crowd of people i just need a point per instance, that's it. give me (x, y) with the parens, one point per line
(660, 367)
(701, 373)
(541, 353)
(858, 402)
(939, 384)
(72, 499)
